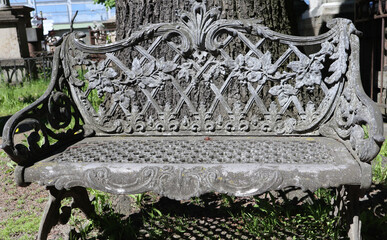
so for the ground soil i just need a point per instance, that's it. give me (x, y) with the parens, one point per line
(29, 200)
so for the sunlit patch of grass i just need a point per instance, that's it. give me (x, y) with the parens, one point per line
(15, 97)
(21, 224)
(300, 220)
(379, 173)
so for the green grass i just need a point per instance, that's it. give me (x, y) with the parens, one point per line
(277, 217)
(15, 97)
(379, 175)
(22, 224)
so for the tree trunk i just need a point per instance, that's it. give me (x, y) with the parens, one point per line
(275, 14)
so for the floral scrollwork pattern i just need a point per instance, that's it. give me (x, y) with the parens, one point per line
(201, 88)
(356, 118)
(53, 118)
(171, 181)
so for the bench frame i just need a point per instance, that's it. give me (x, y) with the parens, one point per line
(64, 115)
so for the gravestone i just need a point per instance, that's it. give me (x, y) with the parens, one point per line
(13, 39)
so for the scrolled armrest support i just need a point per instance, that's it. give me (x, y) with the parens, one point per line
(54, 119)
(357, 119)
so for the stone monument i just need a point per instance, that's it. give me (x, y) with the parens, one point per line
(4, 4)
(313, 20)
(13, 40)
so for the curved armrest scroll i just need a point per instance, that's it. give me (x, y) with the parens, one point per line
(357, 118)
(54, 119)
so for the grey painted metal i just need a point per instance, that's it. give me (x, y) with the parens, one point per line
(201, 120)
(176, 175)
(55, 213)
(197, 150)
(129, 93)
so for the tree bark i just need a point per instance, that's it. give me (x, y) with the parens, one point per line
(275, 14)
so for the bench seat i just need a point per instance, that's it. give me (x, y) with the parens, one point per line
(179, 167)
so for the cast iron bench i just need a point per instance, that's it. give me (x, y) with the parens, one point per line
(183, 116)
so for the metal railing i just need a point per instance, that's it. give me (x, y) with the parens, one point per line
(371, 16)
(19, 70)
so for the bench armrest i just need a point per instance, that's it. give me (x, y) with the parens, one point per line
(54, 118)
(357, 120)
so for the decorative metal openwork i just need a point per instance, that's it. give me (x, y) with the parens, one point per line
(197, 87)
(130, 94)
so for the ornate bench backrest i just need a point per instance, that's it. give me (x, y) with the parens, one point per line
(198, 88)
(184, 78)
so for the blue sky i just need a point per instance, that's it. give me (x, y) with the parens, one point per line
(59, 11)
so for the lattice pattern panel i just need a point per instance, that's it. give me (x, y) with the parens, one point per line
(198, 86)
(165, 151)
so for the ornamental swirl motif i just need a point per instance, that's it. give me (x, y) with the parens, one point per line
(53, 118)
(356, 119)
(171, 181)
(130, 93)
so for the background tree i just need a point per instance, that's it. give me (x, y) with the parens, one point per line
(278, 15)
(107, 3)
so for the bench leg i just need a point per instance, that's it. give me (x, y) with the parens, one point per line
(52, 216)
(353, 194)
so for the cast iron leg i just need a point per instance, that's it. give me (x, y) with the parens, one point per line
(52, 216)
(354, 232)
(51, 213)
(82, 201)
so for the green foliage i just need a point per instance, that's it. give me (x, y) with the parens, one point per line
(93, 97)
(268, 217)
(366, 131)
(373, 227)
(108, 224)
(11, 167)
(290, 217)
(7, 166)
(139, 199)
(227, 200)
(379, 168)
(379, 174)
(109, 4)
(15, 97)
(101, 200)
(154, 213)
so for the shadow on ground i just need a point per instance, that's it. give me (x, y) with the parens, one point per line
(217, 216)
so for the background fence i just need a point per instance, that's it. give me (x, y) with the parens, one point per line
(19, 70)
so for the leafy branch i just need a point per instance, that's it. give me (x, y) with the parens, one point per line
(109, 4)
